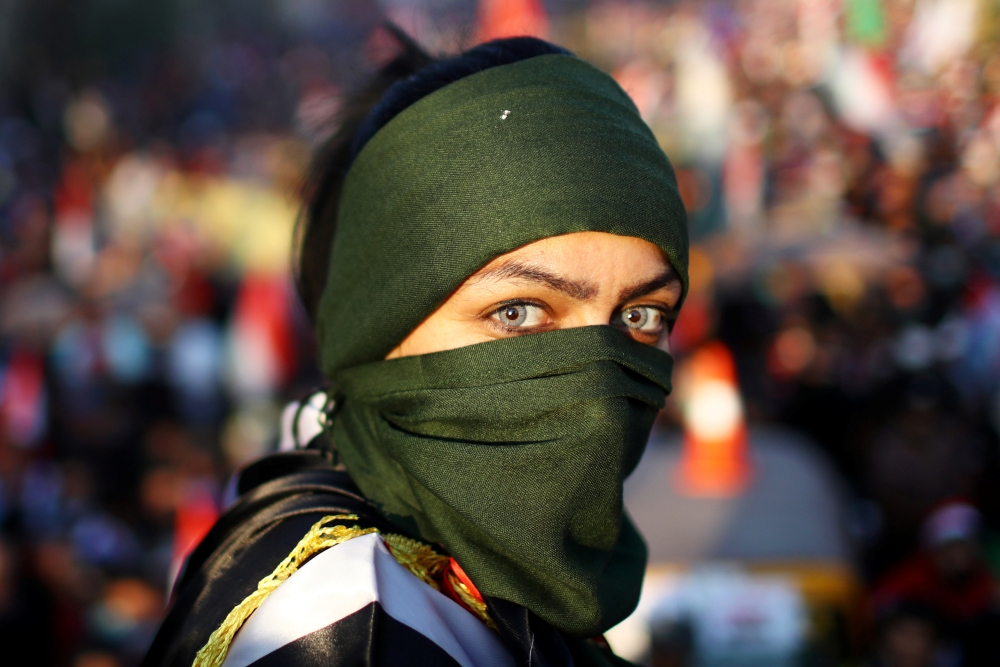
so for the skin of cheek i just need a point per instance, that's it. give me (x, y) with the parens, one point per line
(444, 331)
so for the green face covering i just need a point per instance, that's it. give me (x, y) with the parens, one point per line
(510, 453)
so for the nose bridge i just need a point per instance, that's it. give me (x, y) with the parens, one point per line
(591, 313)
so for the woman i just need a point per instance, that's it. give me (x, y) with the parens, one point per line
(492, 255)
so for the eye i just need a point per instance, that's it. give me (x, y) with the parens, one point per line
(645, 319)
(519, 315)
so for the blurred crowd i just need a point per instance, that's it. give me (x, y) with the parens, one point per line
(150, 333)
(840, 161)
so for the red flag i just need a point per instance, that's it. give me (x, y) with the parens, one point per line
(265, 355)
(511, 18)
(23, 398)
(195, 515)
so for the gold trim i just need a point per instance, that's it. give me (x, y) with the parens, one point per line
(471, 601)
(319, 538)
(419, 558)
(426, 564)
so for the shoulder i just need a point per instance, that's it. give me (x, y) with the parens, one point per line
(354, 604)
(290, 494)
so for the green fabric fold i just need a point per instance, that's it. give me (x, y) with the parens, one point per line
(512, 454)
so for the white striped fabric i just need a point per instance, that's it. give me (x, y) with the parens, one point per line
(346, 578)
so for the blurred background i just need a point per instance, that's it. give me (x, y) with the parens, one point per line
(823, 487)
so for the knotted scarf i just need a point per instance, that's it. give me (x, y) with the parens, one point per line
(511, 453)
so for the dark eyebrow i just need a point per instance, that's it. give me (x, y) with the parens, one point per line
(668, 278)
(530, 273)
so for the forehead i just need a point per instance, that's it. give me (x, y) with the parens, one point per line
(583, 253)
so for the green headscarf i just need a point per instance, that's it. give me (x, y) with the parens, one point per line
(510, 453)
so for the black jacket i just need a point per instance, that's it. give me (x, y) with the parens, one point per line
(282, 496)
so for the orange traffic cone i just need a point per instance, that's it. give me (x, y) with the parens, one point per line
(511, 18)
(715, 460)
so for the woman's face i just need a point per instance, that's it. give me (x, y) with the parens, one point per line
(574, 280)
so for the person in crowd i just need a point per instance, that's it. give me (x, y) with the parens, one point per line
(672, 644)
(980, 648)
(948, 575)
(908, 636)
(494, 250)
(26, 612)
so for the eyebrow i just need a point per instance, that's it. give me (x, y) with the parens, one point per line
(577, 289)
(668, 278)
(582, 290)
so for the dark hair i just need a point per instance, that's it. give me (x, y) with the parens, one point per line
(407, 78)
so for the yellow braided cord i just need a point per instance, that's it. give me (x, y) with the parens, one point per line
(417, 557)
(319, 537)
(470, 601)
(426, 564)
